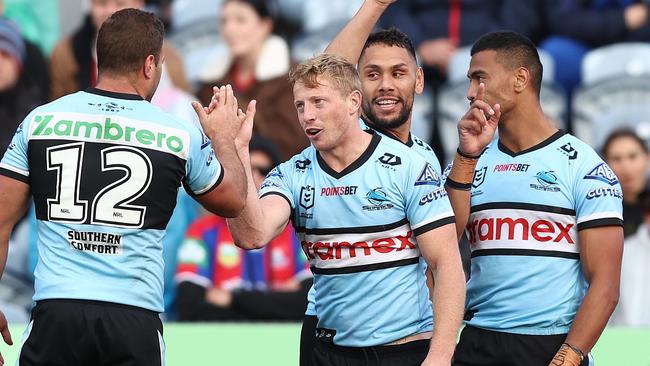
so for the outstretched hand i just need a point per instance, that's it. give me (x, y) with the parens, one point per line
(220, 118)
(246, 130)
(477, 127)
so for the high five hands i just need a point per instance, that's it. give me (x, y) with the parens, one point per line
(224, 119)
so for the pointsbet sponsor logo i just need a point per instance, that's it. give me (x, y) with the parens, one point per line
(109, 129)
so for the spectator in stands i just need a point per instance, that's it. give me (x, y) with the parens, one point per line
(73, 63)
(218, 281)
(23, 77)
(574, 27)
(627, 155)
(257, 67)
(38, 24)
(633, 305)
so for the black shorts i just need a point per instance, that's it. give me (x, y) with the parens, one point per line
(80, 332)
(407, 354)
(481, 347)
(307, 339)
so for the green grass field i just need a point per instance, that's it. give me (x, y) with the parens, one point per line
(226, 344)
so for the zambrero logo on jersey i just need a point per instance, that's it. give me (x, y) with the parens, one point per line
(111, 130)
(378, 199)
(547, 181)
(428, 176)
(603, 173)
(516, 229)
(329, 250)
(95, 242)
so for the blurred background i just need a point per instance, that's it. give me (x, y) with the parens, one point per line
(596, 85)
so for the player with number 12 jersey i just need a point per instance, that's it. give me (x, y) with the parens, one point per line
(104, 175)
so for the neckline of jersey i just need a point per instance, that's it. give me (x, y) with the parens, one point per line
(542, 144)
(373, 126)
(112, 94)
(355, 164)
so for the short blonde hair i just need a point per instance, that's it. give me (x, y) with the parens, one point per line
(337, 69)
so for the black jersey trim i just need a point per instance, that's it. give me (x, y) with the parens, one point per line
(608, 221)
(215, 185)
(373, 126)
(355, 164)
(277, 194)
(352, 230)
(112, 94)
(434, 225)
(366, 267)
(525, 252)
(542, 144)
(13, 175)
(522, 206)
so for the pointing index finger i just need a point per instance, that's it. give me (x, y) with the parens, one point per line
(480, 94)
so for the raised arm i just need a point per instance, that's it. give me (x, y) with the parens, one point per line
(601, 249)
(262, 218)
(475, 131)
(439, 247)
(221, 124)
(350, 40)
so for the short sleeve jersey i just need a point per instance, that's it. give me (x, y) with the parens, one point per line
(104, 170)
(527, 209)
(418, 146)
(358, 229)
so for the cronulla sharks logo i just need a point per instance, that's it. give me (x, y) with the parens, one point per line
(378, 199)
(548, 181)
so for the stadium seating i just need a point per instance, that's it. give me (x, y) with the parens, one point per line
(600, 108)
(630, 59)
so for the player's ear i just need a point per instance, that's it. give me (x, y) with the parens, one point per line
(521, 79)
(419, 81)
(149, 67)
(354, 101)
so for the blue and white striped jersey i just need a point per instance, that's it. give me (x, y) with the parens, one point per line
(104, 169)
(419, 147)
(526, 211)
(358, 229)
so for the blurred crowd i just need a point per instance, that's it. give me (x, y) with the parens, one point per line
(595, 53)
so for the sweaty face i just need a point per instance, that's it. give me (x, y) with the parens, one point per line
(100, 10)
(323, 113)
(242, 28)
(630, 163)
(484, 68)
(390, 78)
